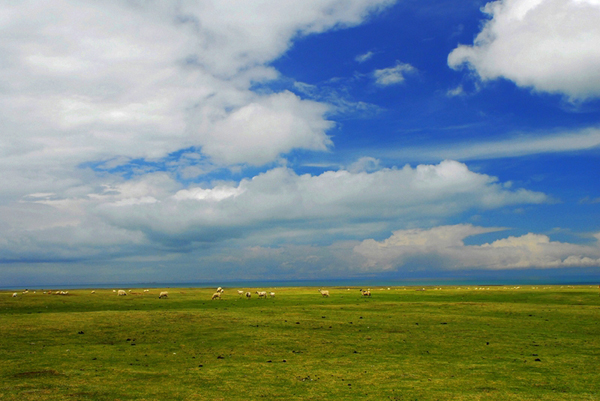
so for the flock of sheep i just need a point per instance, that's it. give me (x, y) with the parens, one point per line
(217, 295)
(15, 294)
(248, 295)
(261, 294)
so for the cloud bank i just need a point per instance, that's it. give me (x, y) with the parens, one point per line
(156, 211)
(443, 247)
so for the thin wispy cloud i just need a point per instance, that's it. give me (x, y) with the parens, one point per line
(361, 58)
(518, 146)
(458, 91)
(339, 98)
(393, 75)
(589, 201)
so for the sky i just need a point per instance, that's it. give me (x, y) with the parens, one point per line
(227, 140)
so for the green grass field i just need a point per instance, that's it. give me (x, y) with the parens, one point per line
(501, 343)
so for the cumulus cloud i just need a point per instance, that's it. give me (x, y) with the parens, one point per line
(443, 247)
(548, 45)
(260, 131)
(393, 75)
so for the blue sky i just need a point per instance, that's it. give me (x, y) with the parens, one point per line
(322, 139)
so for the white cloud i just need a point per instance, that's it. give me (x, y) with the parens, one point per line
(458, 91)
(364, 164)
(361, 58)
(218, 193)
(548, 45)
(393, 75)
(443, 247)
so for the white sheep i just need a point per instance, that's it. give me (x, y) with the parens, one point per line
(219, 289)
(146, 290)
(14, 295)
(366, 293)
(122, 293)
(114, 290)
(216, 295)
(93, 292)
(240, 292)
(163, 294)
(324, 293)
(248, 295)
(262, 294)
(272, 294)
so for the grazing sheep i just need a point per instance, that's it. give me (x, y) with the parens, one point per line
(146, 290)
(366, 293)
(93, 292)
(122, 293)
(14, 295)
(216, 295)
(262, 294)
(272, 294)
(114, 290)
(248, 295)
(240, 292)
(219, 289)
(325, 293)
(163, 294)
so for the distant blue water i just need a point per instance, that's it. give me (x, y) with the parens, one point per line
(354, 282)
(233, 284)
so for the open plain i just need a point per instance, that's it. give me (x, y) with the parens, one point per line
(402, 343)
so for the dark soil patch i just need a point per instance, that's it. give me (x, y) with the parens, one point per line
(49, 372)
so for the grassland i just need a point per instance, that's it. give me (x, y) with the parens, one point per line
(501, 343)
